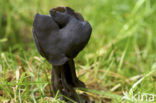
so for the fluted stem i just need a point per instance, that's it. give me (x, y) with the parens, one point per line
(65, 80)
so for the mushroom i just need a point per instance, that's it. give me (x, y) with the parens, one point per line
(59, 37)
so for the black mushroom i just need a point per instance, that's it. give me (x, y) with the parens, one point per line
(59, 37)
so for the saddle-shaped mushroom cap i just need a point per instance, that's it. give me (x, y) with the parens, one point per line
(61, 35)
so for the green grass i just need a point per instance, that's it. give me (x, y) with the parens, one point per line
(119, 60)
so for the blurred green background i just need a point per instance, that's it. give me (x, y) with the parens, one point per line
(121, 51)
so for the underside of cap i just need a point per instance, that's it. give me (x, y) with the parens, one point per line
(59, 60)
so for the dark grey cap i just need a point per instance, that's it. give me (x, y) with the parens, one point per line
(61, 35)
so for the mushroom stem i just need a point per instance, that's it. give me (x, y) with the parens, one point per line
(71, 73)
(65, 80)
(61, 80)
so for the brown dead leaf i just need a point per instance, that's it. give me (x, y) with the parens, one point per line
(10, 75)
(1, 92)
